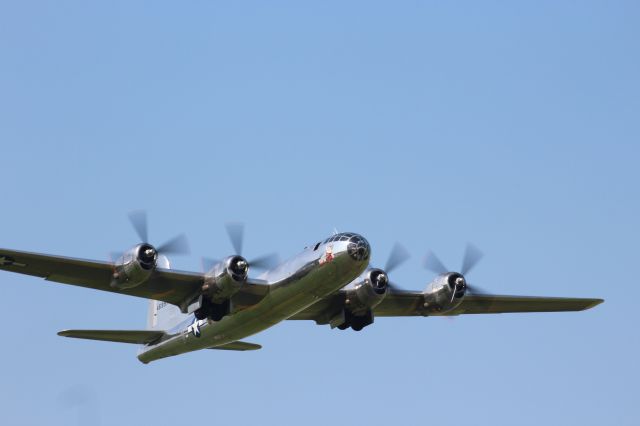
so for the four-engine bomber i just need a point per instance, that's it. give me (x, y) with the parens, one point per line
(330, 282)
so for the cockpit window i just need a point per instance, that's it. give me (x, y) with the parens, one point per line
(358, 248)
(344, 236)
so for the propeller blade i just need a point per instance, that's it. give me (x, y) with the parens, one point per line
(473, 289)
(397, 257)
(394, 287)
(138, 220)
(453, 294)
(176, 245)
(267, 261)
(432, 263)
(472, 256)
(235, 231)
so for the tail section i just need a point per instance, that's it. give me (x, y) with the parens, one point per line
(162, 319)
(152, 316)
(163, 316)
(144, 337)
(141, 337)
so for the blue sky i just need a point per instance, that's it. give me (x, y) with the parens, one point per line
(514, 126)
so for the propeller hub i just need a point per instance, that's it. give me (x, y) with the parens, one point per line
(379, 281)
(457, 284)
(147, 255)
(382, 280)
(239, 267)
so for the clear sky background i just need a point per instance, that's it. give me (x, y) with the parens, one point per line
(513, 126)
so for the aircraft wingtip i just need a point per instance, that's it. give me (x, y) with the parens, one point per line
(593, 303)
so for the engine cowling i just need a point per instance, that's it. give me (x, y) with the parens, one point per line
(445, 293)
(368, 293)
(225, 279)
(135, 266)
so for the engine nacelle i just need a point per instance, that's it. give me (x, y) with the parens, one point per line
(360, 301)
(225, 279)
(368, 293)
(135, 266)
(445, 293)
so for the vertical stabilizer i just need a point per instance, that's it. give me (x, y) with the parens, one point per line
(162, 315)
(152, 316)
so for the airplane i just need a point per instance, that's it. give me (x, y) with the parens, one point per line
(330, 282)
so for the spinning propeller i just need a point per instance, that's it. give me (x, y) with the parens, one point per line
(148, 253)
(177, 245)
(472, 256)
(235, 231)
(397, 257)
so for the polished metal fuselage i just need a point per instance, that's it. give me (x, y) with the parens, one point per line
(293, 286)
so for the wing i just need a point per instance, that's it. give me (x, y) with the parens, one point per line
(324, 310)
(411, 303)
(165, 285)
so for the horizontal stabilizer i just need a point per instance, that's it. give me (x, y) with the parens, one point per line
(121, 336)
(238, 346)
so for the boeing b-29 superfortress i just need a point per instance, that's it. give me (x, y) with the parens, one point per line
(330, 282)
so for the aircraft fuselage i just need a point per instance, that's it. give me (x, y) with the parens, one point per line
(294, 286)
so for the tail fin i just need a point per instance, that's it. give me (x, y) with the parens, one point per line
(152, 315)
(162, 315)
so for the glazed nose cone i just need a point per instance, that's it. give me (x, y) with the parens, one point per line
(358, 248)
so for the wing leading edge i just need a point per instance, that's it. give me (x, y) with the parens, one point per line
(411, 303)
(165, 285)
